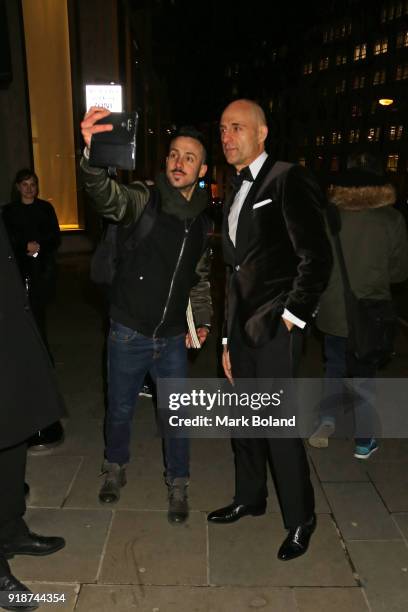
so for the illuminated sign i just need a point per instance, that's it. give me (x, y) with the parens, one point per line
(107, 96)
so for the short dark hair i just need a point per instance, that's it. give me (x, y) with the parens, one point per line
(189, 131)
(24, 174)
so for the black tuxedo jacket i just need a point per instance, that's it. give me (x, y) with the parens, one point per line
(282, 258)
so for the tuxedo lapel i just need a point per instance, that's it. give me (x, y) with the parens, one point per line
(228, 246)
(245, 216)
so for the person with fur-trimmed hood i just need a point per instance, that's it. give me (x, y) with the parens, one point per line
(375, 245)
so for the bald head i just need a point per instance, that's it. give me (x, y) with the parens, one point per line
(243, 132)
(250, 108)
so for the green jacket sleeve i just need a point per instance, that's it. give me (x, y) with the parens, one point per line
(399, 253)
(109, 198)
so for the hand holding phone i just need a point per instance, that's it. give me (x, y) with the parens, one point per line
(88, 127)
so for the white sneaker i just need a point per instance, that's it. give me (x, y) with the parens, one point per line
(320, 437)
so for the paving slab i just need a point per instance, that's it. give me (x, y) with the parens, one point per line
(145, 488)
(401, 520)
(85, 534)
(335, 600)
(85, 404)
(83, 437)
(391, 450)
(66, 595)
(383, 571)
(360, 512)
(143, 548)
(182, 599)
(391, 481)
(50, 478)
(336, 463)
(244, 553)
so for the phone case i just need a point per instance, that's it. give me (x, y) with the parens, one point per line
(115, 149)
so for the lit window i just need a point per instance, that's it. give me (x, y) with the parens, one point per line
(318, 164)
(302, 161)
(402, 39)
(356, 110)
(308, 68)
(360, 52)
(381, 46)
(358, 81)
(379, 77)
(336, 137)
(341, 59)
(323, 63)
(320, 141)
(402, 72)
(395, 132)
(341, 86)
(334, 164)
(354, 135)
(392, 163)
(373, 134)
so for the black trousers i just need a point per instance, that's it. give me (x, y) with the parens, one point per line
(279, 358)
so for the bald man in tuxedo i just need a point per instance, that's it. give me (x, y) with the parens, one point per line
(278, 261)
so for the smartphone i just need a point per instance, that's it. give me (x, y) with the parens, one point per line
(115, 149)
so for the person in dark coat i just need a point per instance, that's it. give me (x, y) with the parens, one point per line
(34, 233)
(29, 401)
(374, 242)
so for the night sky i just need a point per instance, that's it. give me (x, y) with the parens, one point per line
(195, 42)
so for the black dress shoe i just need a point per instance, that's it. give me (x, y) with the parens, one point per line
(297, 540)
(10, 584)
(46, 438)
(234, 512)
(26, 490)
(31, 544)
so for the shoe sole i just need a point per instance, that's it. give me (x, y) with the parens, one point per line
(42, 448)
(11, 555)
(234, 520)
(357, 456)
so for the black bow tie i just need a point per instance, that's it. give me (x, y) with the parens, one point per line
(244, 175)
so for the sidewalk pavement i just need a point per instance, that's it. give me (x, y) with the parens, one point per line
(128, 557)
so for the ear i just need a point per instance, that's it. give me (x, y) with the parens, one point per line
(262, 133)
(203, 170)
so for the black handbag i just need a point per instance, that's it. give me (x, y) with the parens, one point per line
(372, 323)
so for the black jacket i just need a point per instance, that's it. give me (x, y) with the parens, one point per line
(132, 205)
(282, 257)
(29, 398)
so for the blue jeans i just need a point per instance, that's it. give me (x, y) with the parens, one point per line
(340, 365)
(130, 357)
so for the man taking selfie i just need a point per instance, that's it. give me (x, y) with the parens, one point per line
(164, 266)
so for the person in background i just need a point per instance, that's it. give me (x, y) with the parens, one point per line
(34, 234)
(374, 241)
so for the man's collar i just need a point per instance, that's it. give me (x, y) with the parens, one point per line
(257, 164)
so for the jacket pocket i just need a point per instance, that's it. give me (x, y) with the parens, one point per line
(262, 203)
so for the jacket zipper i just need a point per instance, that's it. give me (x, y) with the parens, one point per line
(166, 306)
